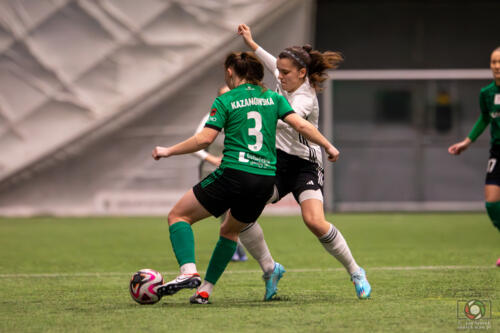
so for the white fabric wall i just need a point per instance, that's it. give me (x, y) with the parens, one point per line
(88, 88)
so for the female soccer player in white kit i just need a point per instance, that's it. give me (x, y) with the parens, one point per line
(299, 72)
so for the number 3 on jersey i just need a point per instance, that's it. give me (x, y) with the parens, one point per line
(255, 131)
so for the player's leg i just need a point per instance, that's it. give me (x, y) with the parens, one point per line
(252, 237)
(329, 236)
(240, 250)
(186, 211)
(245, 208)
(492, 188)
(221, 256)
(239, 254)
(332, 240)
(492, 196)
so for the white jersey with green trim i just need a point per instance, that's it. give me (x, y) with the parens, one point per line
(304, 102)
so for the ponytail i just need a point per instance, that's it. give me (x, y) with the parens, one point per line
(315, 62)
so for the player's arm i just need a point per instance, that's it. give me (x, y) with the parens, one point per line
(197, 142)
(266, 58)
(203, 154)
(477, 130)
(312, 134)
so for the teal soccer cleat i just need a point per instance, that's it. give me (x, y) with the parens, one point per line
(272, 280)
(363, 288)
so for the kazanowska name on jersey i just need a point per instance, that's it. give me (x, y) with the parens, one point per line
(251, 101)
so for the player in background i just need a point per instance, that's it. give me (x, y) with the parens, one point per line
(299, 72)
(245, 179)
(489, 103)
(210, 159)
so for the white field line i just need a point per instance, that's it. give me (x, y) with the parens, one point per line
(292, 270)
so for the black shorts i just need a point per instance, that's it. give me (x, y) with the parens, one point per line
(493, 169)
(245, 194)
(296, 175)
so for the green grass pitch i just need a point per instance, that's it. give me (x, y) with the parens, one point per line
(72, 275)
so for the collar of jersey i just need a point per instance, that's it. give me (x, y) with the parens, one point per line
(244, 85)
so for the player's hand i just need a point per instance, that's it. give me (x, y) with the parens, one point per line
(459, 147)
(160, 152)
(245, 32)
(214, 160)
(333, 153)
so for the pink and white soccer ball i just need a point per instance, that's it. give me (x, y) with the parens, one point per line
(143, 286)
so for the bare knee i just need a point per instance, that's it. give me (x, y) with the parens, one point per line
(492, 193)
(316, 223)
(174, 217)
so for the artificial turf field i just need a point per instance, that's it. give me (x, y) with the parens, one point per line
(72, 274)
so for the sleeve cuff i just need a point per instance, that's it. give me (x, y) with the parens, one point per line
(201, 154)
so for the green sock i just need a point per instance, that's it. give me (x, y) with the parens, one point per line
(182, 239)
(493, 209)
(221, 256)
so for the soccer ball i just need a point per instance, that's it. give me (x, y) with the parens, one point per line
(143, 286)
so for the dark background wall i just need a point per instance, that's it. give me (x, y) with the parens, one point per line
(409, 34)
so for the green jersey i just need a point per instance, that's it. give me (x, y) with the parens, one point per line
(489, 102)
(248, 114)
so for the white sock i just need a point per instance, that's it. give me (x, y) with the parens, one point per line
(188, 268)
(253, 239)
(206, 286)
(335, 244)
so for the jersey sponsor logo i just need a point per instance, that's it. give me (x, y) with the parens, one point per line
(254, 161)
(497, 99)
(242, 157)
(310, 182)
(251, 101)
(213, 112)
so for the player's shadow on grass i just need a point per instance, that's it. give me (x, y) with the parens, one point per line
(281, 301)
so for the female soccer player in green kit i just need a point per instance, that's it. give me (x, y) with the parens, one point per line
(489, 102)
(245, 179)
(210, 159)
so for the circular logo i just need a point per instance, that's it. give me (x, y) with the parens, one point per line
(474, 309)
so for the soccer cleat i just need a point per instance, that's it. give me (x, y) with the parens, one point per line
(241, 253)
(180, 282)
(236, 256)
(363, 288)
(199, 298)
(272, 280)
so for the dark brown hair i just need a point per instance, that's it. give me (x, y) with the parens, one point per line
(246, 66)
(315, 62)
